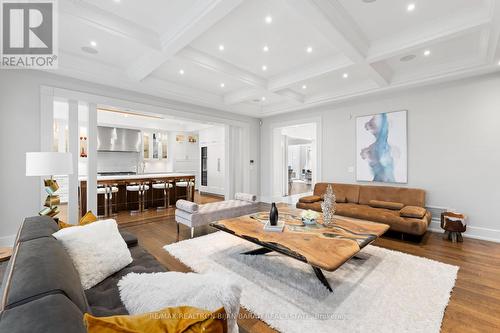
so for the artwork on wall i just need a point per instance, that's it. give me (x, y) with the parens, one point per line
(180, 138)
(381, 148)
(193, 138)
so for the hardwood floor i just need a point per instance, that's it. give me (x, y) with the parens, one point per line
(475, 302)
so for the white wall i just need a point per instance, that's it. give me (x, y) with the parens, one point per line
(453, 145)
(20, 133)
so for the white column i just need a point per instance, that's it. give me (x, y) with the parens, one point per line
(92, 160)
(73, 145)
(46, 128)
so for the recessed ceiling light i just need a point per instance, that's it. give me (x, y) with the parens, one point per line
(345, 75)
(498, 62)
(269, 19)
(411, 7)
(309, 49)
(93, 43)
(181, 72)
(427, 53)
(264, 68)
(263, 99)
(265, 48)
(304, 86)
(117, 1)
(408, 57)
(88, 49)
(221, 47)
(222, 85)
(369, 1)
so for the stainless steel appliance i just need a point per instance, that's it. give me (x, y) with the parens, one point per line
(118, 139)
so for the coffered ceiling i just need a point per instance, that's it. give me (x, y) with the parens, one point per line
(263, 57)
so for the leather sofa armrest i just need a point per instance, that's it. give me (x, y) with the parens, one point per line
(413, 212)
(310, 199)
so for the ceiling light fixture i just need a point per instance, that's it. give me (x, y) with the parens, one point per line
(411, 7)
(309, 49)
(345, 75)
(304, 86)
(222, 85)
(221, 47)
(265, 48)
(181, 72)
(263, 98)
(269, 19)
(93, 43)
(427, 53)
(117, 1)
(264, 68)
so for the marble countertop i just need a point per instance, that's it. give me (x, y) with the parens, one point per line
(139, 176)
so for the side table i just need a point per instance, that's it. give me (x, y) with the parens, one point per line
(453, 225)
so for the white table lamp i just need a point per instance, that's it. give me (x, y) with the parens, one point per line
(49, 164)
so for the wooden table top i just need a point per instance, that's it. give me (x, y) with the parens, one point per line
(323, 247)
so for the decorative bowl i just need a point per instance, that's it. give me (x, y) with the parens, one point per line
(308, 221)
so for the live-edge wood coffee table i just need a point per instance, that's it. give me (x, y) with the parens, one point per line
(323, 247)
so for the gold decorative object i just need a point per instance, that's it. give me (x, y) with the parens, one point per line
(52, 199)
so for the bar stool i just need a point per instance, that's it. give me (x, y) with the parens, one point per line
(107, 192)
(165, 186)
(188, 184)
(141, 189)
(112, 194)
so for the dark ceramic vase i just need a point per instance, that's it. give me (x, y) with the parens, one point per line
(273, 215)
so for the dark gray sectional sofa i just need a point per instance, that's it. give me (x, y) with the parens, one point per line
(41, 289)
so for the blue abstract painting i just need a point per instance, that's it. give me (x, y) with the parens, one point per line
(381, 141)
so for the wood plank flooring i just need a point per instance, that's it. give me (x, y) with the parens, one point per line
(475, 302)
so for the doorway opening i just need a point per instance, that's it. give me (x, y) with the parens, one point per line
(295, 163)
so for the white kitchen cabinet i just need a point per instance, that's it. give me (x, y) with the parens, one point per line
(212, 142)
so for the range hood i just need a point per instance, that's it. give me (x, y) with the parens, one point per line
(118, 139)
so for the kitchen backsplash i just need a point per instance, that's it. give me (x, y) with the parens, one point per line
(117, 161)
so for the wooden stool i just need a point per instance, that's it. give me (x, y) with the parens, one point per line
(453, 224)
(165, 186)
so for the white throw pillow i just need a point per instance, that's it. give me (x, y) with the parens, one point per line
(97, 250)
(148, 292)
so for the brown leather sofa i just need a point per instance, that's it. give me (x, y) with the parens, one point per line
(403, 209)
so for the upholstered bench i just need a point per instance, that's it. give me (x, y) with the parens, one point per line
(193, 215)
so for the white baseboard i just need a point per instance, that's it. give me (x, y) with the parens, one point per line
(7, 241)
(486, 234)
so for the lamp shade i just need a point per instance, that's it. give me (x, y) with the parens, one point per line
(48, 164)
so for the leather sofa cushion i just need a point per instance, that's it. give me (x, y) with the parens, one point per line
(413, 212)
(38, 268)
(386, 204)
(310, 199)
(52, 313)
(407, 196)
(104, 298)
(36, 227)
(314, 206)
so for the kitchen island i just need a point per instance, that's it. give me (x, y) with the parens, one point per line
(122, 201)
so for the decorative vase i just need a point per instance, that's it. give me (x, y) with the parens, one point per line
(273, 215)
(328, 206)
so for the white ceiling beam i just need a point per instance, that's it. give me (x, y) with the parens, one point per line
(291, 95)
(316, 70)
(494, 37)
(243, 95)
(335, 23)
(203, 15)
(220, 66)
(438, 31)
(110, 23)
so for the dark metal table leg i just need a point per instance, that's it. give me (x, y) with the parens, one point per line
(321, 277)
(261, 250)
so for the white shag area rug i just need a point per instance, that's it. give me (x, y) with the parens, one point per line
(385, 291)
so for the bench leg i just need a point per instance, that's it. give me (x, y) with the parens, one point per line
(192, 232)
(177, 230)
